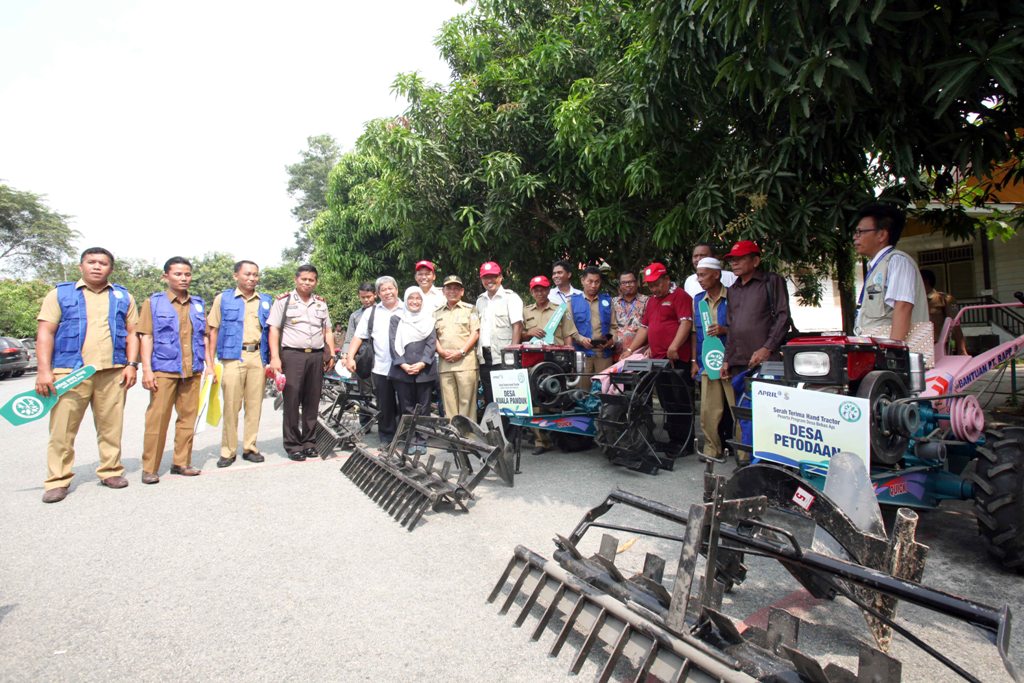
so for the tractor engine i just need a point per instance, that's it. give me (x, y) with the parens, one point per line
(553, 373)
(883, 371)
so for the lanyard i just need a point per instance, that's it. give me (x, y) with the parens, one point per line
(878, 261)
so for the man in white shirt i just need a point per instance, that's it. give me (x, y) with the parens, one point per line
(561, 275)
(501, 323)
(383, 387)
(433, 297)
(703, 250)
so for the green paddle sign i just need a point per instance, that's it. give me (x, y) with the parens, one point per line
(29, 406)
(712, 350)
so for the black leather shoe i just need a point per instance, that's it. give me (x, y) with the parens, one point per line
(541, 450)
(252, 456)
(225, 462)
(297, 457)
(310, 453)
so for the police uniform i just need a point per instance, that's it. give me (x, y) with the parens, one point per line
(92, 329)
(302, 325)
(455, 326)
(178, 329)
(243, 349)
(534, 316)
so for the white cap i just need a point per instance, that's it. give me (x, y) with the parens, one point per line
(709, 262)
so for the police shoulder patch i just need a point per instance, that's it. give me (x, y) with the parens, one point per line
(282, 296)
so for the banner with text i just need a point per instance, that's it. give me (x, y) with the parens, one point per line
(800, 427)
(511, 389)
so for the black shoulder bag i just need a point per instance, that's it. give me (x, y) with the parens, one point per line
(364, 356)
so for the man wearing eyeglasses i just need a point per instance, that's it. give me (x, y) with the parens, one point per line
(892, 302)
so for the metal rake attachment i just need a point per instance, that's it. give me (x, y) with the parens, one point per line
(406, 485)
(348, 417)
(677, 632)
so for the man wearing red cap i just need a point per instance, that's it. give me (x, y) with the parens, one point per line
(433, 297)
(501, 323)
(758, 310)
(666, 326)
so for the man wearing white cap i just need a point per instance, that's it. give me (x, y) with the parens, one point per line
(703, 250)
(715, 394)
(501, 323)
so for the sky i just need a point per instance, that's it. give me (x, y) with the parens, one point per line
(165, 128)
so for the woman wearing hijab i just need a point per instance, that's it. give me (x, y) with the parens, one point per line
(413, 347)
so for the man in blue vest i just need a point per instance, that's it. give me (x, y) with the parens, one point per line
(172, 325)
(239, 334)
(89, 322)
(595, 324)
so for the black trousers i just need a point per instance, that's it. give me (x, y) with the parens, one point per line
(412, 394)
(485, 379)
(387, 406)
(675, 393)
(305, 379)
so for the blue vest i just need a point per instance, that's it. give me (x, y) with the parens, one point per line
(166, 341)
(232, 326)
(698, 326)
(581, 316)
(67, 344)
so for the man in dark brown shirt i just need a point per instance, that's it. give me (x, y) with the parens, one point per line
(758, 311)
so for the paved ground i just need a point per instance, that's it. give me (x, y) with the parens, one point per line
(286, 570)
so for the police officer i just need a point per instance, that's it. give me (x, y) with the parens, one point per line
(240, 335)
(301, 346)
(458, 329)
(89, 322)
(174, 357)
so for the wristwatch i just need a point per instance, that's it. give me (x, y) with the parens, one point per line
(134, 363)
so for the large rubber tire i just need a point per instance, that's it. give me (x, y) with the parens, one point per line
(880, 387)
(999, 495)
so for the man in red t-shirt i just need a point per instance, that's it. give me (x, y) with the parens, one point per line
(666, 326)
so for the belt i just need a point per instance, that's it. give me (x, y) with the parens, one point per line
(251, 347)
(291, 348)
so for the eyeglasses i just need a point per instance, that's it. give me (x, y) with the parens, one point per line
(861, 231)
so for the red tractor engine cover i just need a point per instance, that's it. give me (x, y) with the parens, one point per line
(528, 355)
(850, 358)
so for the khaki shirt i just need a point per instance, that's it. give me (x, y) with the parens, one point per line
(251, 331)
(302, 323)
(454, 327)
(595, 318)
(98, 347)
(184, 332)
(534, 316)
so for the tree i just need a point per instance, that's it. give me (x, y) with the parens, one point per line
(307, 184)
(31, 234)
(19, 306)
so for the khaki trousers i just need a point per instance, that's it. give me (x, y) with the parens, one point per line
(105, 394)
(242, 383)
(595, 364)
(458, 393)
(715, 397)
(182, 395)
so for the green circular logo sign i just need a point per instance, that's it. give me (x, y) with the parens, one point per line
(714, 360)
(849, 411)
(27, 406)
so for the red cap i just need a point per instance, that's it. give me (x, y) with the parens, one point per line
(742, 248)
(540, 281)
(654, 271)
(490, 268)
(424, 264)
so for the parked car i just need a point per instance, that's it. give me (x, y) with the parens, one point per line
(13, 358)
(30, 344)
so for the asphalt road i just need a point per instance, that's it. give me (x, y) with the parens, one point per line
(288, 571)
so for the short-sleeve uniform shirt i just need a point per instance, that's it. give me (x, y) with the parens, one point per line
(534, 316)
(302, 323)
(98, 347)
(181, 307)
(454, 327)
(251, 331)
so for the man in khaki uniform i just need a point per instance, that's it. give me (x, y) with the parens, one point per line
(458, 330)
(238, 334)
(172, 325)
(302, 347)
(536, 316)
(89, 322)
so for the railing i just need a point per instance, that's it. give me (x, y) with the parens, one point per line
(1005, 318)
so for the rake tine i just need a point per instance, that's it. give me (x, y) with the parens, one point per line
(648, 660)
(609, 546)
(419, 514)
(366, 477)
(419, 504)
(401, 499)
(613, 658)
(379, 491)
(549, 612)
(588, 643)
(387, 493)
(429, 467)
(532, 600)
(446, 469)
(681, 672)
(400, 491)
(501, 582)
(362, 469)
(567, 626)
(516, 587)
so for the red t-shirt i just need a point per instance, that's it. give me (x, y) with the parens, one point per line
(661, 318)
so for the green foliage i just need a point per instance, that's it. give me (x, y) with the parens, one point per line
(307, 185)
(32, 236)
(19, 306)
